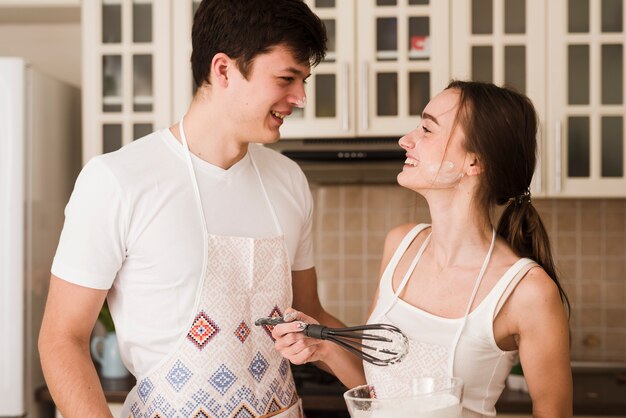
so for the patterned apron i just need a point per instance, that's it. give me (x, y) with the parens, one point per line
(424, 358)
(222, 365)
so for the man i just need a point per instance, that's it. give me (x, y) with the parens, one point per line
(193, 232)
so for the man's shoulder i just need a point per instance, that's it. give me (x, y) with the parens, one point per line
(138, 161)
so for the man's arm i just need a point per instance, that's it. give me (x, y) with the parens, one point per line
(345, 365)
(70, 314)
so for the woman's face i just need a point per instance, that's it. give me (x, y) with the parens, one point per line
(435, 156)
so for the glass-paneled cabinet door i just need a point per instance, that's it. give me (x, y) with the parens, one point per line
(503, 42)
(586, 98)
(330, 105)
(126, 87)
(184, 87)
(402, 61)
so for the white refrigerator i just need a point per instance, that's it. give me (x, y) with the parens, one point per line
(39, 161)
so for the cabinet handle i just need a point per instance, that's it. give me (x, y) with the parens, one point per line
(539, 172)
(365, 96)
(557, 164)
(345, 98)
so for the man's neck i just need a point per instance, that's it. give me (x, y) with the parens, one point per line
(207, 138)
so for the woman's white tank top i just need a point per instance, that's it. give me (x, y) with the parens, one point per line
(436, 349)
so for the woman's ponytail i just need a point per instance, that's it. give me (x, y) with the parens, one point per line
(521, 226)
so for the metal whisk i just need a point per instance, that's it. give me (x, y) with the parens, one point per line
(378, 344)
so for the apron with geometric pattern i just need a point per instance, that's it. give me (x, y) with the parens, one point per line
(223, 365)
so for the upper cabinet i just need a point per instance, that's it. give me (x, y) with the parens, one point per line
(126, 72)
(574, 73)
(585, 125)
(503, 42)
(385, 59)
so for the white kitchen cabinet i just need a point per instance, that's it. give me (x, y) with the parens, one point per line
(503, 42)
(586, 110)
(573, 73)
(386, 58)
(126, 71)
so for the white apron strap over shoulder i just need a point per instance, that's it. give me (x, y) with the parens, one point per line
(522, 266)
(393, 263)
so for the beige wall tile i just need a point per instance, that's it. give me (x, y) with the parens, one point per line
(616, 341)
(352, 291)
(591, 221)
(615, 246)
(354, 197)
(615, 269)
(353, 220)
(567, 269)
(591, 293)
(615, 222)
(354, 315)
(591, 245)
(377, 222)
(591, 317)
(327, 197)
(354, 245)
(329, 246)
(327, 268)
(376, 197)
(615, 292)
(566, 221)
(353, 268)
(565, 245)
(615, 318)
(591, 269)
(328, 291)
(375, 244)
(329, 221)
(587, 205)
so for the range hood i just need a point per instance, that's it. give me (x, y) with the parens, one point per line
(345, 160)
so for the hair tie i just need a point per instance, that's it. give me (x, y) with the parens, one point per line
(522, 198)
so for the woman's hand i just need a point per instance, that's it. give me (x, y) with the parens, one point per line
(291, 342)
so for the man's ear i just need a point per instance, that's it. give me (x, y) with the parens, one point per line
(219, 68)
(474, 167)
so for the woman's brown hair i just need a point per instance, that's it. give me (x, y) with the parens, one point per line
(500, 127)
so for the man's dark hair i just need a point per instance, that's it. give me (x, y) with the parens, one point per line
(243, 29)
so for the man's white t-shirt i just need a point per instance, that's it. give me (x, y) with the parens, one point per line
(133, 226)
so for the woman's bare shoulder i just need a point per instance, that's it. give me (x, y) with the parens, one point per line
(536, 294)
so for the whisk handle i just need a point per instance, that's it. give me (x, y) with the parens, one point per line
(316, 331)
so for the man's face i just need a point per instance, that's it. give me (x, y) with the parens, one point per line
(275, 85)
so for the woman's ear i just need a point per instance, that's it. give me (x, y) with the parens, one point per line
(474, 167)
(219, 68)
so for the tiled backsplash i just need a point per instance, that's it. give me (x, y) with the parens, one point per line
(588, 239)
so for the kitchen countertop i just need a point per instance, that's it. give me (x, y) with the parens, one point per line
(599, 389)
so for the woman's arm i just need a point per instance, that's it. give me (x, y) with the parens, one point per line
(542, 329)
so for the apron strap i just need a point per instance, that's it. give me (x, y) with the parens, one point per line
(267, 198)
(196, 190)
(407, 240)
(479, 279)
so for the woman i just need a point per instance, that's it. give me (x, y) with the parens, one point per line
(471, 298)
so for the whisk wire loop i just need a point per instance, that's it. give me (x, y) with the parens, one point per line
(351, 338)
